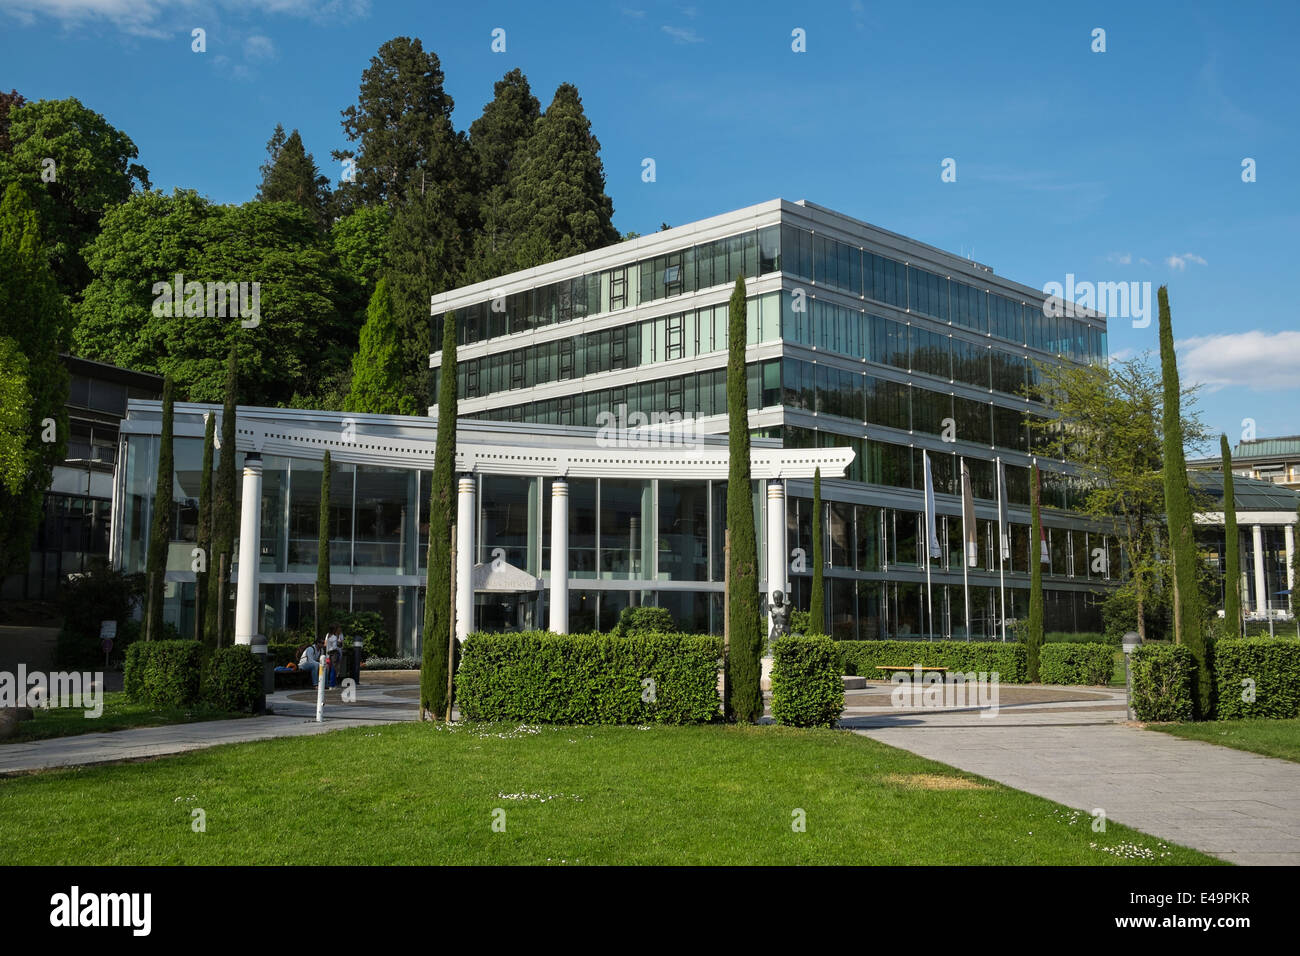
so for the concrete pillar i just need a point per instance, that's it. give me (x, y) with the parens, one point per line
(559, 622)
(1288, 533)
(776, 563)
(1261, 588)
(465, 518)
(250, 551)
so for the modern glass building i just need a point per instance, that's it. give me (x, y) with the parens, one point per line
(601, 379)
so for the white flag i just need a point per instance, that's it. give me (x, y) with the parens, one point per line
(968, 518)
(931, 530)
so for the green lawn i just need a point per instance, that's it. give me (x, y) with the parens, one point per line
(119, 713)
(1273, 738)
(422, 794)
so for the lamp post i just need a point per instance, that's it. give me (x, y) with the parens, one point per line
(1132, 641)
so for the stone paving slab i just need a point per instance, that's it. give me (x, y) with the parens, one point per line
(1238, 806)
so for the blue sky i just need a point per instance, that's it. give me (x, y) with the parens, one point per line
(1117, 166)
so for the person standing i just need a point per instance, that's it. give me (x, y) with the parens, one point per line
(334, 652)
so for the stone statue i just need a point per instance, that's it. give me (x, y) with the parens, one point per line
(780, 612)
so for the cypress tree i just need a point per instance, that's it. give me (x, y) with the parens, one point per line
(1034, 626)
(323, 550)
(1189, 616)
(223, 515)
(744, 662)
(817, 607)
(160, 532)
(377, 364)
(438, 607)
(1232, 547)
(201, 632)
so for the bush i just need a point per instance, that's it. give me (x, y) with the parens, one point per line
(1162, 681)
(163, 673)
(101, 594)
(1272, 664)
(1083, 637)
(806, 687)
(282, 654)
(800, 622)
(1006, 659)
(1077, 664)
(548, 678)
(378, 642)
(635, 621)
(392, 664)
(234, 678)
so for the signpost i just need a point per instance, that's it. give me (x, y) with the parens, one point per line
(107, 631)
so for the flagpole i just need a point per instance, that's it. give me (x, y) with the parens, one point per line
(965, 557)
(1002, 576)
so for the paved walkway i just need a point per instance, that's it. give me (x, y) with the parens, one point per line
(1238, 806)
(295, 716)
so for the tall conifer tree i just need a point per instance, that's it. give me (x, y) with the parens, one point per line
(290, 175)
(1232, 546)
(438, 600)
(1189, 611)
(204, 535)
(160, 532)
(377, 365)
(744, 661)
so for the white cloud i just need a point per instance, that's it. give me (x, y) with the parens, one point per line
(146, 17)
(1120, 258)
(1262, 361)
(682, 34)
(1179, 263)
(259, 47)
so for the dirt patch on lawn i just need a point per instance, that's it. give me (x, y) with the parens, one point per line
(934, 781)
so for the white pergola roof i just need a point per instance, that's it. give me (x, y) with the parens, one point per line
(667, 460)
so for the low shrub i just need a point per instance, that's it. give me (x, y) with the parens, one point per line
(392, 664)
(1062, 663)
(164, 673)
(634, 621)
(549, 678)
(1007, 659)
(234, 678)
(282, 654)
(1265, 670)
(1083, 637)
(1162, 677)
(806, 687)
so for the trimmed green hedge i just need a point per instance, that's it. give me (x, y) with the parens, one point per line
(1272, 664)
(1162, 682)
(234, 678)
(1007, 659)
(635, 621)
(163, 673)
(806, 687)
(546, 678)
(1082, 637)
(1076, 664)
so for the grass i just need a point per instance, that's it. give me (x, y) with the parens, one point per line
(423, 794)
(119, 714)
(1272, 738)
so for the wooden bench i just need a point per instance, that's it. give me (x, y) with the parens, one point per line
(891, 669)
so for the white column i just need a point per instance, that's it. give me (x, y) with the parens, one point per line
(1261, 589)
(250, 551)
(465, 518)
(1288, 534)
(559, 622)
(776, 564)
